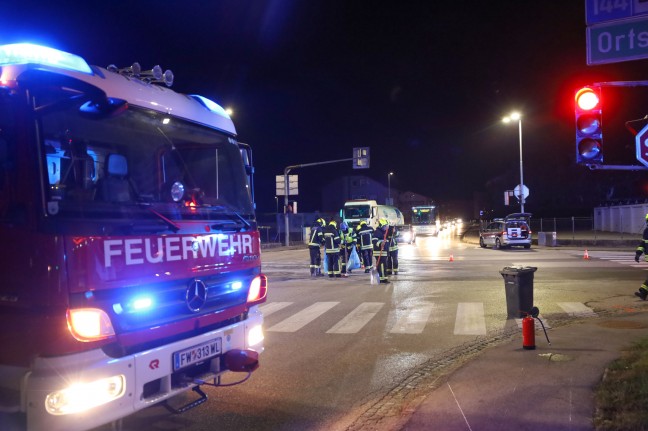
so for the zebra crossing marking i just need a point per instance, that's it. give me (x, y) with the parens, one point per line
(302, 318)
(577, 309)
(470, 319)
(357, 319)
(620, 257)
(413, 321)
(273, 307)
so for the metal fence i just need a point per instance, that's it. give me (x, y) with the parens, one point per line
(562, 224)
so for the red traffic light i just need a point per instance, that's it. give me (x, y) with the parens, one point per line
(589, 131)
(587, 99)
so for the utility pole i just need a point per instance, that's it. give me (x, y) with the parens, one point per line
(286, 171)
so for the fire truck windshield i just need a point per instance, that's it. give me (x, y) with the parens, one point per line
(97, 166)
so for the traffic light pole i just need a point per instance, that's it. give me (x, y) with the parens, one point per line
(521, 169)
(286, 189)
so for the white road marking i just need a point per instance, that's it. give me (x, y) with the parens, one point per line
(577, 309)
(357, 319)
(470, 319)
(299, 320)
(413, 320)
(272, 307)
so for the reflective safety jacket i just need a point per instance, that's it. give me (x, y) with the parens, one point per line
(392, 234)
(348, 238)
(331, 239)
(316, 237)
(380, 242)
(365, 233)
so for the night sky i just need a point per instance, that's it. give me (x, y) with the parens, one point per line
(424, 84)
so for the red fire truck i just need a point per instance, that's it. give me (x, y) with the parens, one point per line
(130, 256)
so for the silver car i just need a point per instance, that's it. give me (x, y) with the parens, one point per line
(513, 230)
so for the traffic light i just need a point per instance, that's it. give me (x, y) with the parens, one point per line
(589, 134)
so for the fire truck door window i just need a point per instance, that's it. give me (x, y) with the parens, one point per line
(77, 171)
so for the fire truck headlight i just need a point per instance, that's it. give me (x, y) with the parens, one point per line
(255, 335)
(84, 396)
(89, 324)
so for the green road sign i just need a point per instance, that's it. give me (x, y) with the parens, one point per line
(617, 41)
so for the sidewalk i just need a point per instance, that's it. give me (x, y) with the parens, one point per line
(550, 388)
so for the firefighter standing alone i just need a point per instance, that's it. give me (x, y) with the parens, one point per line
(642, 248)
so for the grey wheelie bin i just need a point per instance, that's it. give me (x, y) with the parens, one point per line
(518, 285)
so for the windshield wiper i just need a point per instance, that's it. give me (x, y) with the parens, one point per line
(171, 224)
(237, 219)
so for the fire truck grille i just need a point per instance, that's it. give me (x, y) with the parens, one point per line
(144, 307)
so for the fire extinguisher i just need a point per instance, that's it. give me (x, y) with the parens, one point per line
(528, 333)
(528, 329)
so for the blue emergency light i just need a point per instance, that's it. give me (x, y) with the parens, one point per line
(27, 53)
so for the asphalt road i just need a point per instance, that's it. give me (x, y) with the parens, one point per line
(344, 354)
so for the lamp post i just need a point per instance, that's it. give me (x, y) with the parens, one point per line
(515, 116)
(276, 204)
(389, 201)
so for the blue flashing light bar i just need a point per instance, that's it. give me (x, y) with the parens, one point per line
(210, 104)
(143, 303)
(27, 53)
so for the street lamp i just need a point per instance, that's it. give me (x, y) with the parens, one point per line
(276, 204)
(389, 188)
(515, 116)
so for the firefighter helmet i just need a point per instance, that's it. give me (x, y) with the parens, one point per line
(333, 223)
(321, 222)
(382, 222)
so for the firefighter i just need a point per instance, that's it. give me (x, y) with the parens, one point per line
(347, 244)
(332, 248)
(314, 245)
(364, 234)
(392, 252)
(642, 248)
(381, 248)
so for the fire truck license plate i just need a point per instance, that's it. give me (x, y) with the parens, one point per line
(195, 354)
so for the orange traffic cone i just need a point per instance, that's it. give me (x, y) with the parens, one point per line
(451, 258)
(585, 256)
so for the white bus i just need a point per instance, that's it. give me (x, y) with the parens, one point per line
(425, 220)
